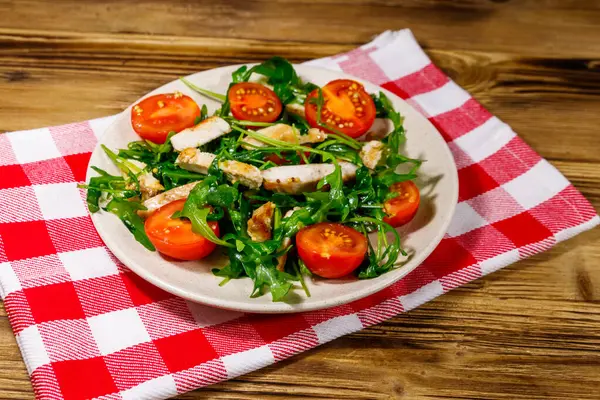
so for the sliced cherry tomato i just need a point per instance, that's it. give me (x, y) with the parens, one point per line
(174, 237)
(254, 102)
(331, 250)
(347, 107)
(402, 208)
(154, 117)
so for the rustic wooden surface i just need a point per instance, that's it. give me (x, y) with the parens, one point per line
(530, 331)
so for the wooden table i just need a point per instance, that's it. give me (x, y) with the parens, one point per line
(529, 331)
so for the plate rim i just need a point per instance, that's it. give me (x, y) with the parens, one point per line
(272, 308)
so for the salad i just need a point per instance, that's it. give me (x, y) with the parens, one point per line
(286, 178)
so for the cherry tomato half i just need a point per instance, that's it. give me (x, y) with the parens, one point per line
(331, 250)
(154, 117)
(254, 102)
(402, 208)
(347, 108)
(174, 237)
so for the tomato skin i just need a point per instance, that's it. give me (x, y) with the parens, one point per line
(402, 209)
(251, 101)
(154, 117)
(174, 237)
(331, 250)
(346, 100)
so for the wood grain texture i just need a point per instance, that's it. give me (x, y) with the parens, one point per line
(528, 331)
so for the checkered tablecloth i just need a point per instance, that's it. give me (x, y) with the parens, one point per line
(89, 328)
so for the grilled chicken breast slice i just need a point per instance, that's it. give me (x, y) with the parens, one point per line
(371, 153)
(285, 133)
(296, 179)
(260, 225)
(156, 202)
(149, 185)
(194, 160)
(206, 131)
(248, 175)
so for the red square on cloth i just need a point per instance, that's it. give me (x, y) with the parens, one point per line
(422, 81)
(84, 379)
(372, 300)
(457, 122)
(447, 258)
(523, 229)
(26, 240)
(54, 302)
(185, 350)
(12, 176)
(272, 328)
(473, 181)
(141, 291)
(78, 164)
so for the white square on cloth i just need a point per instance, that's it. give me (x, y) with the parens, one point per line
(118, 330)
(33, 145)
(60, 200)
(88, 263)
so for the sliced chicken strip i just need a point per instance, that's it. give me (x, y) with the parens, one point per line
(260, 225)
(197, 161)
(296, 109)
(149, 185)
(178, 193)
(381, 128)
(192, 159)
(285, 133)
(248, 175)
(314, 135)
(285, 243)
(206, 131)
(296, 179)
(371, 153)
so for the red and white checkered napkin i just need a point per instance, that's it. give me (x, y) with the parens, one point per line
(88, 327)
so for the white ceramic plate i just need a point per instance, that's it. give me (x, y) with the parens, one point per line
(194, 281)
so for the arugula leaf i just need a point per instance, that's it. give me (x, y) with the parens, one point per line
(125, 166)
(110, 184)
(215, 96)
(277, 281)
(203, 115)
(204, 194)
(127, 212)
(242, 74)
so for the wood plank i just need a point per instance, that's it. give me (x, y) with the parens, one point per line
(546, 28)
(544, 100)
